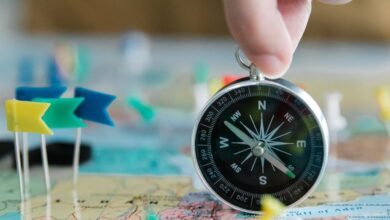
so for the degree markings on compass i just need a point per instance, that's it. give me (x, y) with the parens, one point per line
(288, 96)
(231, 98)
(204, 125)
(217, 181)
(290, 194)
(215, 108)
(203, 145)
(317, 146)
(241, 151)
(233, 194)
(204, 165)
(315, 165)
(307, 184)
(274, 139)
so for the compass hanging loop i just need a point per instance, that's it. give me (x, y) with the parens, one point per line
(254, 72)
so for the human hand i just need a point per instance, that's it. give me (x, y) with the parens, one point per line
(268, 31)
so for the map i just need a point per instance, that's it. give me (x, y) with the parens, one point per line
(173, 197)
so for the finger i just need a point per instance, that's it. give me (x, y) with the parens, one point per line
(259, 29)
(295, 14)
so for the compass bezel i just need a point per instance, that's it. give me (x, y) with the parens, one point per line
(299, 93)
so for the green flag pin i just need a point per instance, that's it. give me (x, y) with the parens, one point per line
(61, 113)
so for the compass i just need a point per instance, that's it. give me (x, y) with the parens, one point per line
(259, 137)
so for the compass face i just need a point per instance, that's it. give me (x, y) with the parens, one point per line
(260, 138)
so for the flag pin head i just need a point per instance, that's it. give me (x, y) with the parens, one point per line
(23, 116)
(29, 93)
(61, 113)
(94, 107)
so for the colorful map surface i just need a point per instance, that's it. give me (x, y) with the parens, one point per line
(173, 197)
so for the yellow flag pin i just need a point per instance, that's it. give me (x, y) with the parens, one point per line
(23, 116)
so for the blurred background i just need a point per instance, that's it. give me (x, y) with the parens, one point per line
(155, 55)
(143, 46)
(125, 38)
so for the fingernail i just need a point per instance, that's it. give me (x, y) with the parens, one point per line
(271, 66)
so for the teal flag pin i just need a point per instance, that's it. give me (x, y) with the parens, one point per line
(146, 111)
(61, 113)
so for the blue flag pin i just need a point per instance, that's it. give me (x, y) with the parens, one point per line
(93, 108)
(29, 93)
(25, 93)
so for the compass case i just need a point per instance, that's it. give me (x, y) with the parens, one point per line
(257, 138)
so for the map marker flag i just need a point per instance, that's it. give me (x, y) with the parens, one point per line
(383, 99)
(29, 93)
(25, 116)
(26, 93)
(93, 108)
(60, 115)
(271, 207)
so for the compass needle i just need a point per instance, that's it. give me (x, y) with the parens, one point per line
(272, 153)
(278, 164)
(240, 134)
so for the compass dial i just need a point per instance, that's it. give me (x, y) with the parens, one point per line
(258, 138)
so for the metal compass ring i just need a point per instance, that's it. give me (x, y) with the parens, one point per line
(254, 72)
